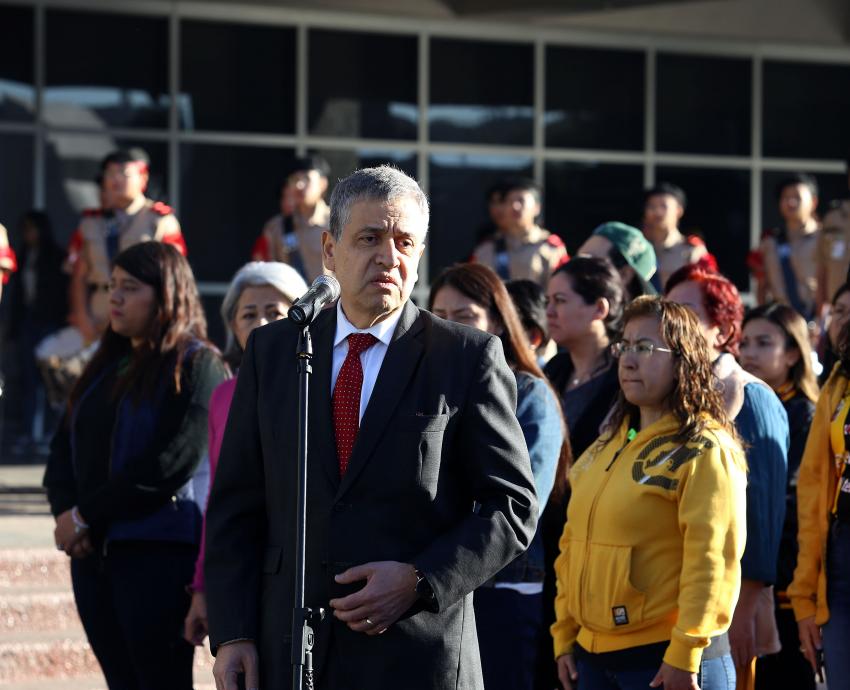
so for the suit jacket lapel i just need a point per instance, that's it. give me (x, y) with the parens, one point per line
(399, 363)
(321, 447)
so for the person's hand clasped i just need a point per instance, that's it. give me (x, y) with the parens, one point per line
(810, 640)
(390, 590)
(672, 678)
(70, 537)
(567, 672)
(233, 659)
(195, 626)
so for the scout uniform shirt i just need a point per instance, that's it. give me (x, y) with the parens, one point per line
(789, 261)
(105, 234)
(675, 251)
(833, 253)
(296, 241)
(532, 257)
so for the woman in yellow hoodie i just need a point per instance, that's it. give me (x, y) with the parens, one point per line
(649, 569)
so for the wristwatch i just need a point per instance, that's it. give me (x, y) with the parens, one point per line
(423, 587)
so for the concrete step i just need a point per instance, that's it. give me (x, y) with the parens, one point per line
(87, 683)
(33, 611)
(34, 568)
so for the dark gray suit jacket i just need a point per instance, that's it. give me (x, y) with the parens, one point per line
(439, 477)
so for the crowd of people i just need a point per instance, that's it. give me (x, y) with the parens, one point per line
(687, 459)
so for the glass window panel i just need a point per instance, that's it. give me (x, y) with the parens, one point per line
(353, 93)
(16, 178)
(595, 98)
(458, 187)
(106, 70)
(806, 108)
(703, 104)
(73, 162)
(481, 92)
(222, 67)
(345, 162)
(719, 212)
(581, 196)
(17, 94)
(227, 193)
(830, 187)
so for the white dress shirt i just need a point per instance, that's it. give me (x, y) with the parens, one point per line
(370, 359)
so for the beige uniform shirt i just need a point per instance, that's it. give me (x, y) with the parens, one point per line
(143, 221)
(533, 257)
(833, 256)
(803, 251)
(676, 251)
(302, 246)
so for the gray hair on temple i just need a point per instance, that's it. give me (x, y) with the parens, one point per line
(384, 183)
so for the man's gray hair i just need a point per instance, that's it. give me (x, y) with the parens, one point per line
(282, 277)
(384, 183)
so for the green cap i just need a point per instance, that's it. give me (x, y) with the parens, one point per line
(630, 242)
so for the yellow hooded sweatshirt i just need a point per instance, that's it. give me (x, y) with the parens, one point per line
(652, 546)
(816, 488)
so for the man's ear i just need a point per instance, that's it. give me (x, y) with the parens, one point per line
(323, 185)
(328, 251)
(603, 308)
(680, 212)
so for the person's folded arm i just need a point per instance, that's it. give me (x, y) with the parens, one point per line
(497, 471)
(150, 480)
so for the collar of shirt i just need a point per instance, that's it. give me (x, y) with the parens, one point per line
(383, 330)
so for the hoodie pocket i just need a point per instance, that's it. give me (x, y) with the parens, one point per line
(609, 601)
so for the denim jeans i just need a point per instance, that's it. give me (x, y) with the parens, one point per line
(608, 671)
(836, 632)
(717, 673)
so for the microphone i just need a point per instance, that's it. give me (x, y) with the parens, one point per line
(325, 289)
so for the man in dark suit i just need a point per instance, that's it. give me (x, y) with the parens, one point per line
(419, 482)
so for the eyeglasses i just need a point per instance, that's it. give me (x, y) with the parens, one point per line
(642, 348)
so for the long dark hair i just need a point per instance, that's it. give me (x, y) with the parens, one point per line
(593, 278)
(482, 285)
(177, 322)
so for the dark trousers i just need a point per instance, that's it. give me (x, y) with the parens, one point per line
(629, 669)
(510, 627)
(787, 668)
(132, 603)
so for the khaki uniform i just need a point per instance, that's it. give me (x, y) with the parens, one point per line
(301, 248)
(802, 250)
(143, 221)
(677, 251)
(533, 257)
(833, 253)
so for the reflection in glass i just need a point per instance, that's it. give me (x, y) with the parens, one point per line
(581, 196)
(719, 212)
(703, 104)
(106, 70)
(237, 77)
(17, 94)
(830, 186)
(16, 178)
(458, 187)
(481, 92)
(73, 163)
(594, 98)
(806, 108)
(227, 193)
(363, 85)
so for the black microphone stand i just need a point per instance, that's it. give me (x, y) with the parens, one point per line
(303, 618)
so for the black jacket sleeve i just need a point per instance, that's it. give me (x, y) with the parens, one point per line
(59, 473)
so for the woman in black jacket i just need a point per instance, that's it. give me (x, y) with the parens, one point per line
(125, 479)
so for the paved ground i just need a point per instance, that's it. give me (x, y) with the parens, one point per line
(25, 520)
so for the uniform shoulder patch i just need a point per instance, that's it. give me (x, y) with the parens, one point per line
(92, 212)
(554, 241)
(695, 241)
(161, 209)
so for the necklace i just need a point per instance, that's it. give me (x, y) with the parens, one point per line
(584, 378)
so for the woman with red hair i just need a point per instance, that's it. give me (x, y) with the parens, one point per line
(762, 425)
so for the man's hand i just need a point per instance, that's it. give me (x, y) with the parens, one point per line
(233, 659)
(672, 678)
(195, 626)
(390, 590)
(66, 535)
(810, 640)
(82, 548)
(742, 631)
(567, 672)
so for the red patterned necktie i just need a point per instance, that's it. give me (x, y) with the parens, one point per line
(346, 397)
